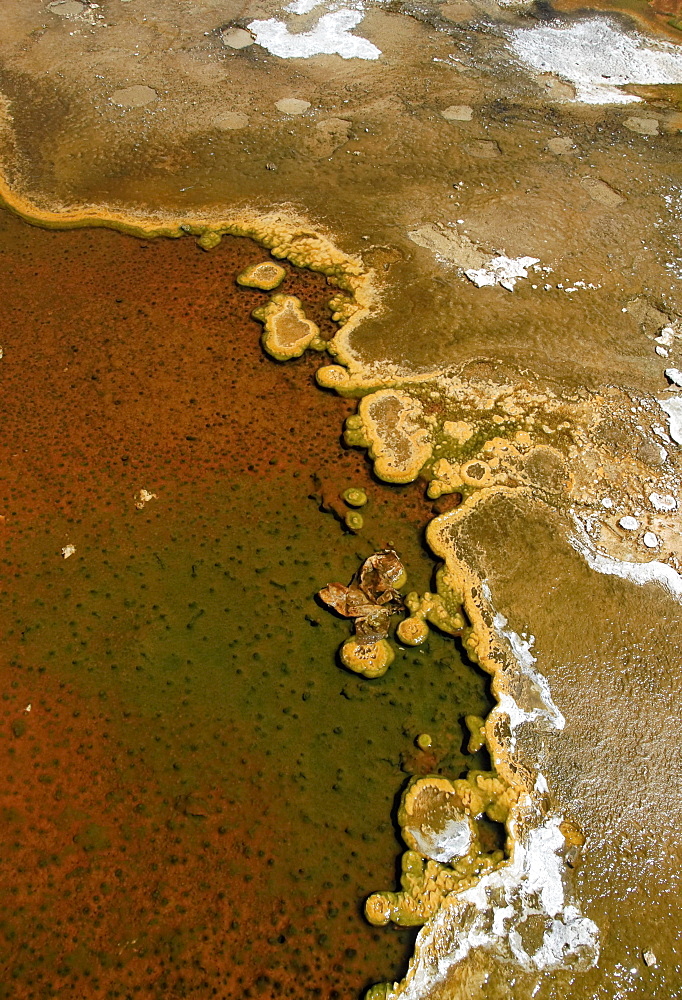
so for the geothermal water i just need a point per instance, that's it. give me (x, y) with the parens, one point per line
(195, 796)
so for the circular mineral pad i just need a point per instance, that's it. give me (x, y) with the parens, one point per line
(354, 496)
(265, 276)
(371, 659)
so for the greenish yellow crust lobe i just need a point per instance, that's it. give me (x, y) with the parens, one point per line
(371, 659)
(391, 424)
(354, 496)
(412, 631)
(354, 520)
(287, 331)
(442, 610)
(266, 276)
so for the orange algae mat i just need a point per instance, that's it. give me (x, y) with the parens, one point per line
(195, 799)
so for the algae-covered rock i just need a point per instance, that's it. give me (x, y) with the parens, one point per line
(287, 331)
(265, 276)
(371, 659)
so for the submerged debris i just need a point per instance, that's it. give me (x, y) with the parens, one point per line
(142, 497)
(371, 597)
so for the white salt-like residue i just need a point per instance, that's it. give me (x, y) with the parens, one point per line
(491, 916)
(640, 573)
(330, 36)
(501, 270)
(650, 539)
(673, 407)
(663, 501)
(629, 522)
(453, 841)
(541, 785)
(674, 375)
(597, 57)
(666, 336)
(521, 649)
(302, 6)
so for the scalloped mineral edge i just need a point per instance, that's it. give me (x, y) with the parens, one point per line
(531, 883)
(521, 649)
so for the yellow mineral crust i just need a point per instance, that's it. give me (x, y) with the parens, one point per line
(287, 332)
(371, 659)
(504, 795)
(442, 609)
(265, 276)
(459, 430)
(412, 631)
(391, 424)
(445, 854)
(476, 473)
(447, 478)
(502, 462)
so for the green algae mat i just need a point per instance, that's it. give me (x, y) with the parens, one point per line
(197, 798)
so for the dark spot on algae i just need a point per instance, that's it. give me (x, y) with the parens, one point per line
(199, 801)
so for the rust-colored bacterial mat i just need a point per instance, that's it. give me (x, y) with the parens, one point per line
(195, 796)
